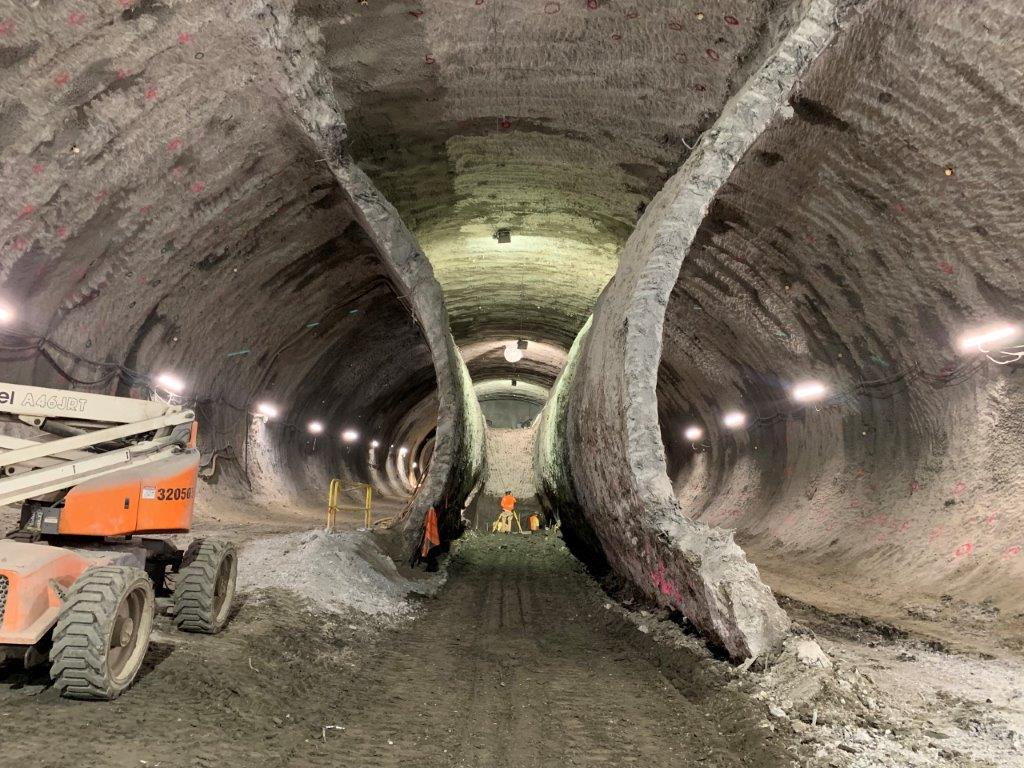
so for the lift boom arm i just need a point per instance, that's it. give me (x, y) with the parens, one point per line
(32, 467)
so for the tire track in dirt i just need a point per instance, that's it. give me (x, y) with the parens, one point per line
(516, 663)
(523, 667)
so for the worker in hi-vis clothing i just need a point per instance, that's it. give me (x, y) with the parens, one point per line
(508, 502)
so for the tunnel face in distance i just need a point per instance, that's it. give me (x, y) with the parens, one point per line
(855, 245)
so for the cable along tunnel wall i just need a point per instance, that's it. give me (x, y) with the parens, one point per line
(601, 462)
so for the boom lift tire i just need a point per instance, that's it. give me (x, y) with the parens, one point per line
(102, 633)
(205, 586)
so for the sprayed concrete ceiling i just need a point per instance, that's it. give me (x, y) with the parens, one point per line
(557, 120)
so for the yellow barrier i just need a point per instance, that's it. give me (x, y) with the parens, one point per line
(335, 490)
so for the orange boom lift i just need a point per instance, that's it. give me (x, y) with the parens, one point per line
(79, 586)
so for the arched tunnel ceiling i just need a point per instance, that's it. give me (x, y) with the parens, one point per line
(558, 120)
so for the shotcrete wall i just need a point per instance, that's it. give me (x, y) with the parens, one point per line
(605, 468)
(168, 207)
(854, 244)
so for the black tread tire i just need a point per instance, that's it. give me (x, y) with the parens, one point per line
(81, 638)
(195, 601)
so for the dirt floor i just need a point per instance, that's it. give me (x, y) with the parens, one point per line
(520, 659)
(517, 663)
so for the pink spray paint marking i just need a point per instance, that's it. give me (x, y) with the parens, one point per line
(150, 93)
(63, 78)
(592, 5)
(936, 532)
(7, 27)
(914, 486)
(959, 487)
(122, 74)
(991, 519)
(38, 168)
(946, 267)
(62, 232)
(174, 145)
(1011, 552)
(75, 18)
(26, 210)
(101, 195)
(665, 585)
(184, 38)
(964, 550)
(199, 187)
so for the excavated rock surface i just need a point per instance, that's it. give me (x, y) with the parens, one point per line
(854, 244)
(168, 207)
(615, 457)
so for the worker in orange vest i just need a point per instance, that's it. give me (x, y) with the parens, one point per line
(430, 547)
(508, 502)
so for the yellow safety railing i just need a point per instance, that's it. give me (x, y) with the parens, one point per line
(335, 490)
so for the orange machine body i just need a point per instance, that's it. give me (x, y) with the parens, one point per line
(154, 498)
(30, 576)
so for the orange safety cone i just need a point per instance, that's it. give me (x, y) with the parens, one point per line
(431, 535)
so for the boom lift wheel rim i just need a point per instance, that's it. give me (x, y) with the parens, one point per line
(224, 589)
(123, 647)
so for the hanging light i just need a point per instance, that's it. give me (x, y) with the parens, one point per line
(513, 353)
(171, 383)
(809, 391)
(693, 433)
(734, 419)
(349, 435)
(979, 339)
(267, 411)
(6, 314)
(374, 444)
(315, 428)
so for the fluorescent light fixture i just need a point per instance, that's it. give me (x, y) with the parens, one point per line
(513, 353)
(171, 383)
(315, 428)
(349, 435)
(809, 391)
(694, 433)
(734, 419)
(267, 410)
(979, 339)
(6, 314)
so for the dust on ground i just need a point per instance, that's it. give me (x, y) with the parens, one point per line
(519, 660)
(878, 697)
(516, 662)
(334, 571)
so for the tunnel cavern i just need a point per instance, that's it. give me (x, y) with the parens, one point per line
(466, 383)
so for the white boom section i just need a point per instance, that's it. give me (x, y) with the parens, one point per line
(31, 468)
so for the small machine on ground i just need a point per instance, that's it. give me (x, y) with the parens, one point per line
(78, 585)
